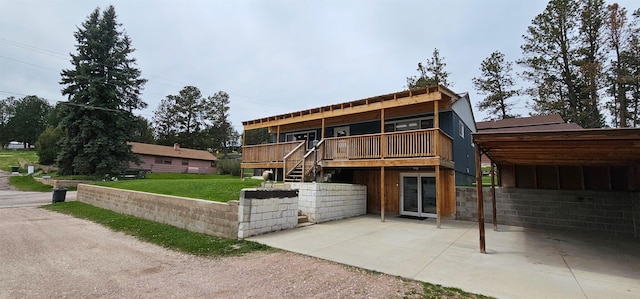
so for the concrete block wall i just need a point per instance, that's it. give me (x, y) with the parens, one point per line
(613, 213)
(202, 216)
(266, 210)
(326, 202)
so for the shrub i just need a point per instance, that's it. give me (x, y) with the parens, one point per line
(229, 166)
(47, 145)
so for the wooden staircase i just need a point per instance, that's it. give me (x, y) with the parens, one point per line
(295, 175)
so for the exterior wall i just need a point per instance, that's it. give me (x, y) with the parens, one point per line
(327, 202)
(463, 151)
(263, 211)
(614, 213)
(197, 166)
(202, 216)
(371, 179)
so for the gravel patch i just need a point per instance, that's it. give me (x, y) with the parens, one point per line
(46, 254)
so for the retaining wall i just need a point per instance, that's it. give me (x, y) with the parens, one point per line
(262, 211)
(327, 202)
(202, 216)
(613, 213)
(61, 183)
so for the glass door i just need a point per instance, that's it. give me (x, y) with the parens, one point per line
(418, 194)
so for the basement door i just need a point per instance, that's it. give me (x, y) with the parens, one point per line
(418, 194)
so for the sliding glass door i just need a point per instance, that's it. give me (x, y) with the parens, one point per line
(418, 194)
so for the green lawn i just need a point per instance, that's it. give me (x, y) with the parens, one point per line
(10, 158)
(161, 234)
(220, 188)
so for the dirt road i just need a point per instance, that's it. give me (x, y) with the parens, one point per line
(46, 254)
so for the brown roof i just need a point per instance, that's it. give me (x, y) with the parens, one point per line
(551, 122)
(170, 151)
(605, 147)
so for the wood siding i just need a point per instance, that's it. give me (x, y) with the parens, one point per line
(371, 178)
(197, 166)
(604, 178)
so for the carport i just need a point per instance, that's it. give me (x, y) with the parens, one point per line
(594, 173)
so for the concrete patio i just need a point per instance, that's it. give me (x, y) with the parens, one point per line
(520, 262)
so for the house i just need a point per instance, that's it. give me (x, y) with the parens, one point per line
(173, 159)
(586, 180)
(409, 148)
(551, 122)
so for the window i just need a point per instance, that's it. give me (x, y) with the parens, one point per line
(309, 136)
(185, 162)
(408, 125)
(461, 128)
(213, 163)
(163, 160)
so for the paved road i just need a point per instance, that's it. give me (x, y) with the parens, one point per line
(10, 198)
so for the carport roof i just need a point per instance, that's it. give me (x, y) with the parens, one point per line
(589, 147)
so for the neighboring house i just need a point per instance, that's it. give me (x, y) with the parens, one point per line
(160, 158)
(551, 122)
(409, 148)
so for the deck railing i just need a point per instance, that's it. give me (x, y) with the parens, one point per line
(408, 144)
(272, 152)
(294, 158)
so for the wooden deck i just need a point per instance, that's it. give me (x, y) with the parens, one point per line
(429, 147)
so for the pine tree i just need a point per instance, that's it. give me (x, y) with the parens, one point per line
(497, 83)
(103, 88)
(432, 73)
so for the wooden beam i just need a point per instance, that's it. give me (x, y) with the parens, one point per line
(383, 141)
(322, 136)
(382, 197)
(342, 110)
(436, 125)
(480, 200)
(493, 198)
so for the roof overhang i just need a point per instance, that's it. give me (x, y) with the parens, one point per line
(592, 147)
(397, 100)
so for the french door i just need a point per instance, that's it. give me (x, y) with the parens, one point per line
(418, 194)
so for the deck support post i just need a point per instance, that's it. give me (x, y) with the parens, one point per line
(493, 197)
(438, 195)
(382, 197)
(480, 200)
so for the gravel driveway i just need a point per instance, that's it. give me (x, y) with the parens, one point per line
(46, 254)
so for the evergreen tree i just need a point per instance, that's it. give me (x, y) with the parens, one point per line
(179, 119)
(497, 83)
(432, 73)
(222, 134)
(591, 60)
(195, 122)
(549, 54)
(622, 35)
(103, 87)
(563, 58)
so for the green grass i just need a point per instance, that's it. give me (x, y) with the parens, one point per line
(220, 188)
(10, 158)
(27, 183)
(437, 291)
(161, 234)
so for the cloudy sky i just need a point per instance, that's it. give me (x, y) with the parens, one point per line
(272, 56)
